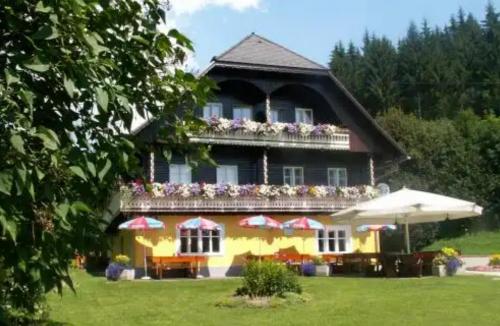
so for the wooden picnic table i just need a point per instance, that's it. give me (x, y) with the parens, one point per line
(191, 263)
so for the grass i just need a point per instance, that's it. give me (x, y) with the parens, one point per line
(480, 243)
(460, 300)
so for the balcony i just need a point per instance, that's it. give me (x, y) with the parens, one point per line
(168, 198)
(221, 131)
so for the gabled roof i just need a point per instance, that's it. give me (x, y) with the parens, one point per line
(257, 50)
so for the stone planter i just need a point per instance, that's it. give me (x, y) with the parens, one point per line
(322, 270)
(128, 274)
(439, 270)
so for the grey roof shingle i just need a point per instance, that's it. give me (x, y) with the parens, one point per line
(256, 50)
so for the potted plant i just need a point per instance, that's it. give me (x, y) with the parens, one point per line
(128, 273)
(439, 265)
(321, 268)
(453, 262)
(119, 269)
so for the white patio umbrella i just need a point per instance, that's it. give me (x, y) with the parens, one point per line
(406, 207)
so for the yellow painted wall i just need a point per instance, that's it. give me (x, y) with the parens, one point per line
(237, 243)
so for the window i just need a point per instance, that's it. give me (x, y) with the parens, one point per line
(337, 177)
(179, 173)
(200, 241)
(304, 115)
(242, 113)
(293, 176)
(334, 239)
(277, 115)
(227, 174)
(212, 110)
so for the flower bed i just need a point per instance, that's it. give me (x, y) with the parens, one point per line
(211, 191)
(223, 126)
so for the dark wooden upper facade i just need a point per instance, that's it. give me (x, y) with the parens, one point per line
(273, 83)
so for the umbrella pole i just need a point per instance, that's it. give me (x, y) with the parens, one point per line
(145, 277)
(407, 237)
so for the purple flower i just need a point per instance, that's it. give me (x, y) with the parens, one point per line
(138, 189)
(292, 128)
(170, 189)
(302, 190)
(247, 190)
(318, 130)
(195, 189)
(213, 121)
(220, 189)
(236, 124)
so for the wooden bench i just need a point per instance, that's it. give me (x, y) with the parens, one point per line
(191, 263)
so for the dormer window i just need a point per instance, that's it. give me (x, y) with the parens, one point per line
(304, 115)
(212, 110)
(242, 112)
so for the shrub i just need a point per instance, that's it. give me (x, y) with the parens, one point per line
(266, 279)
(122, 260)
(318, 260)
(495, 260)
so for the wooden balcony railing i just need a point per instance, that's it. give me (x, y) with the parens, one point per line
(147, 204)
(337, 141)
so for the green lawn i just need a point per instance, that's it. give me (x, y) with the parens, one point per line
(480, 243)
(461, 300)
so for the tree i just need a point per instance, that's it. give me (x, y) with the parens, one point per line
(73, 74)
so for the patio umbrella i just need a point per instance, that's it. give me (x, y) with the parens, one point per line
(198, 223)
(260, 222)
(142, 223)
(408, 206)
(377, 228)
(303, 223)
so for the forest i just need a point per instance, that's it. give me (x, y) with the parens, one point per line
(437, 92)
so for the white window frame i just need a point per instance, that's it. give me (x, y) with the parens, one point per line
(325, 238)
(223, 169)
(293, 177)
(333, 176)
(249, 109)
(300, 113)
(199, 236)
(182, 169)
(210, 108)
(276, 112)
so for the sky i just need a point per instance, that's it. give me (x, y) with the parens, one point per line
(309, 27)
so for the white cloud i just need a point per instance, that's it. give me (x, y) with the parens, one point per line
(180, 7)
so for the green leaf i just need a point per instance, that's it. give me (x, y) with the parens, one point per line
(62, 210)
(91, 168)
(105, 169)
(27, 97)
(49, 138)
(18, 143)
(36, 66)
(92, 41)
(46, 33)
(79, 206)
(78, 172)
(40, 7)
(102, 98)
(40, 175)
(6, 182)
(11, 77)
(69, 86)
(8, 227)
(167, 154)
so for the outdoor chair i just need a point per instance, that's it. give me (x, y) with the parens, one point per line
(410, 266)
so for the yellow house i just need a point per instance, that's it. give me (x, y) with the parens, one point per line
(289, 140)
(227, 249)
